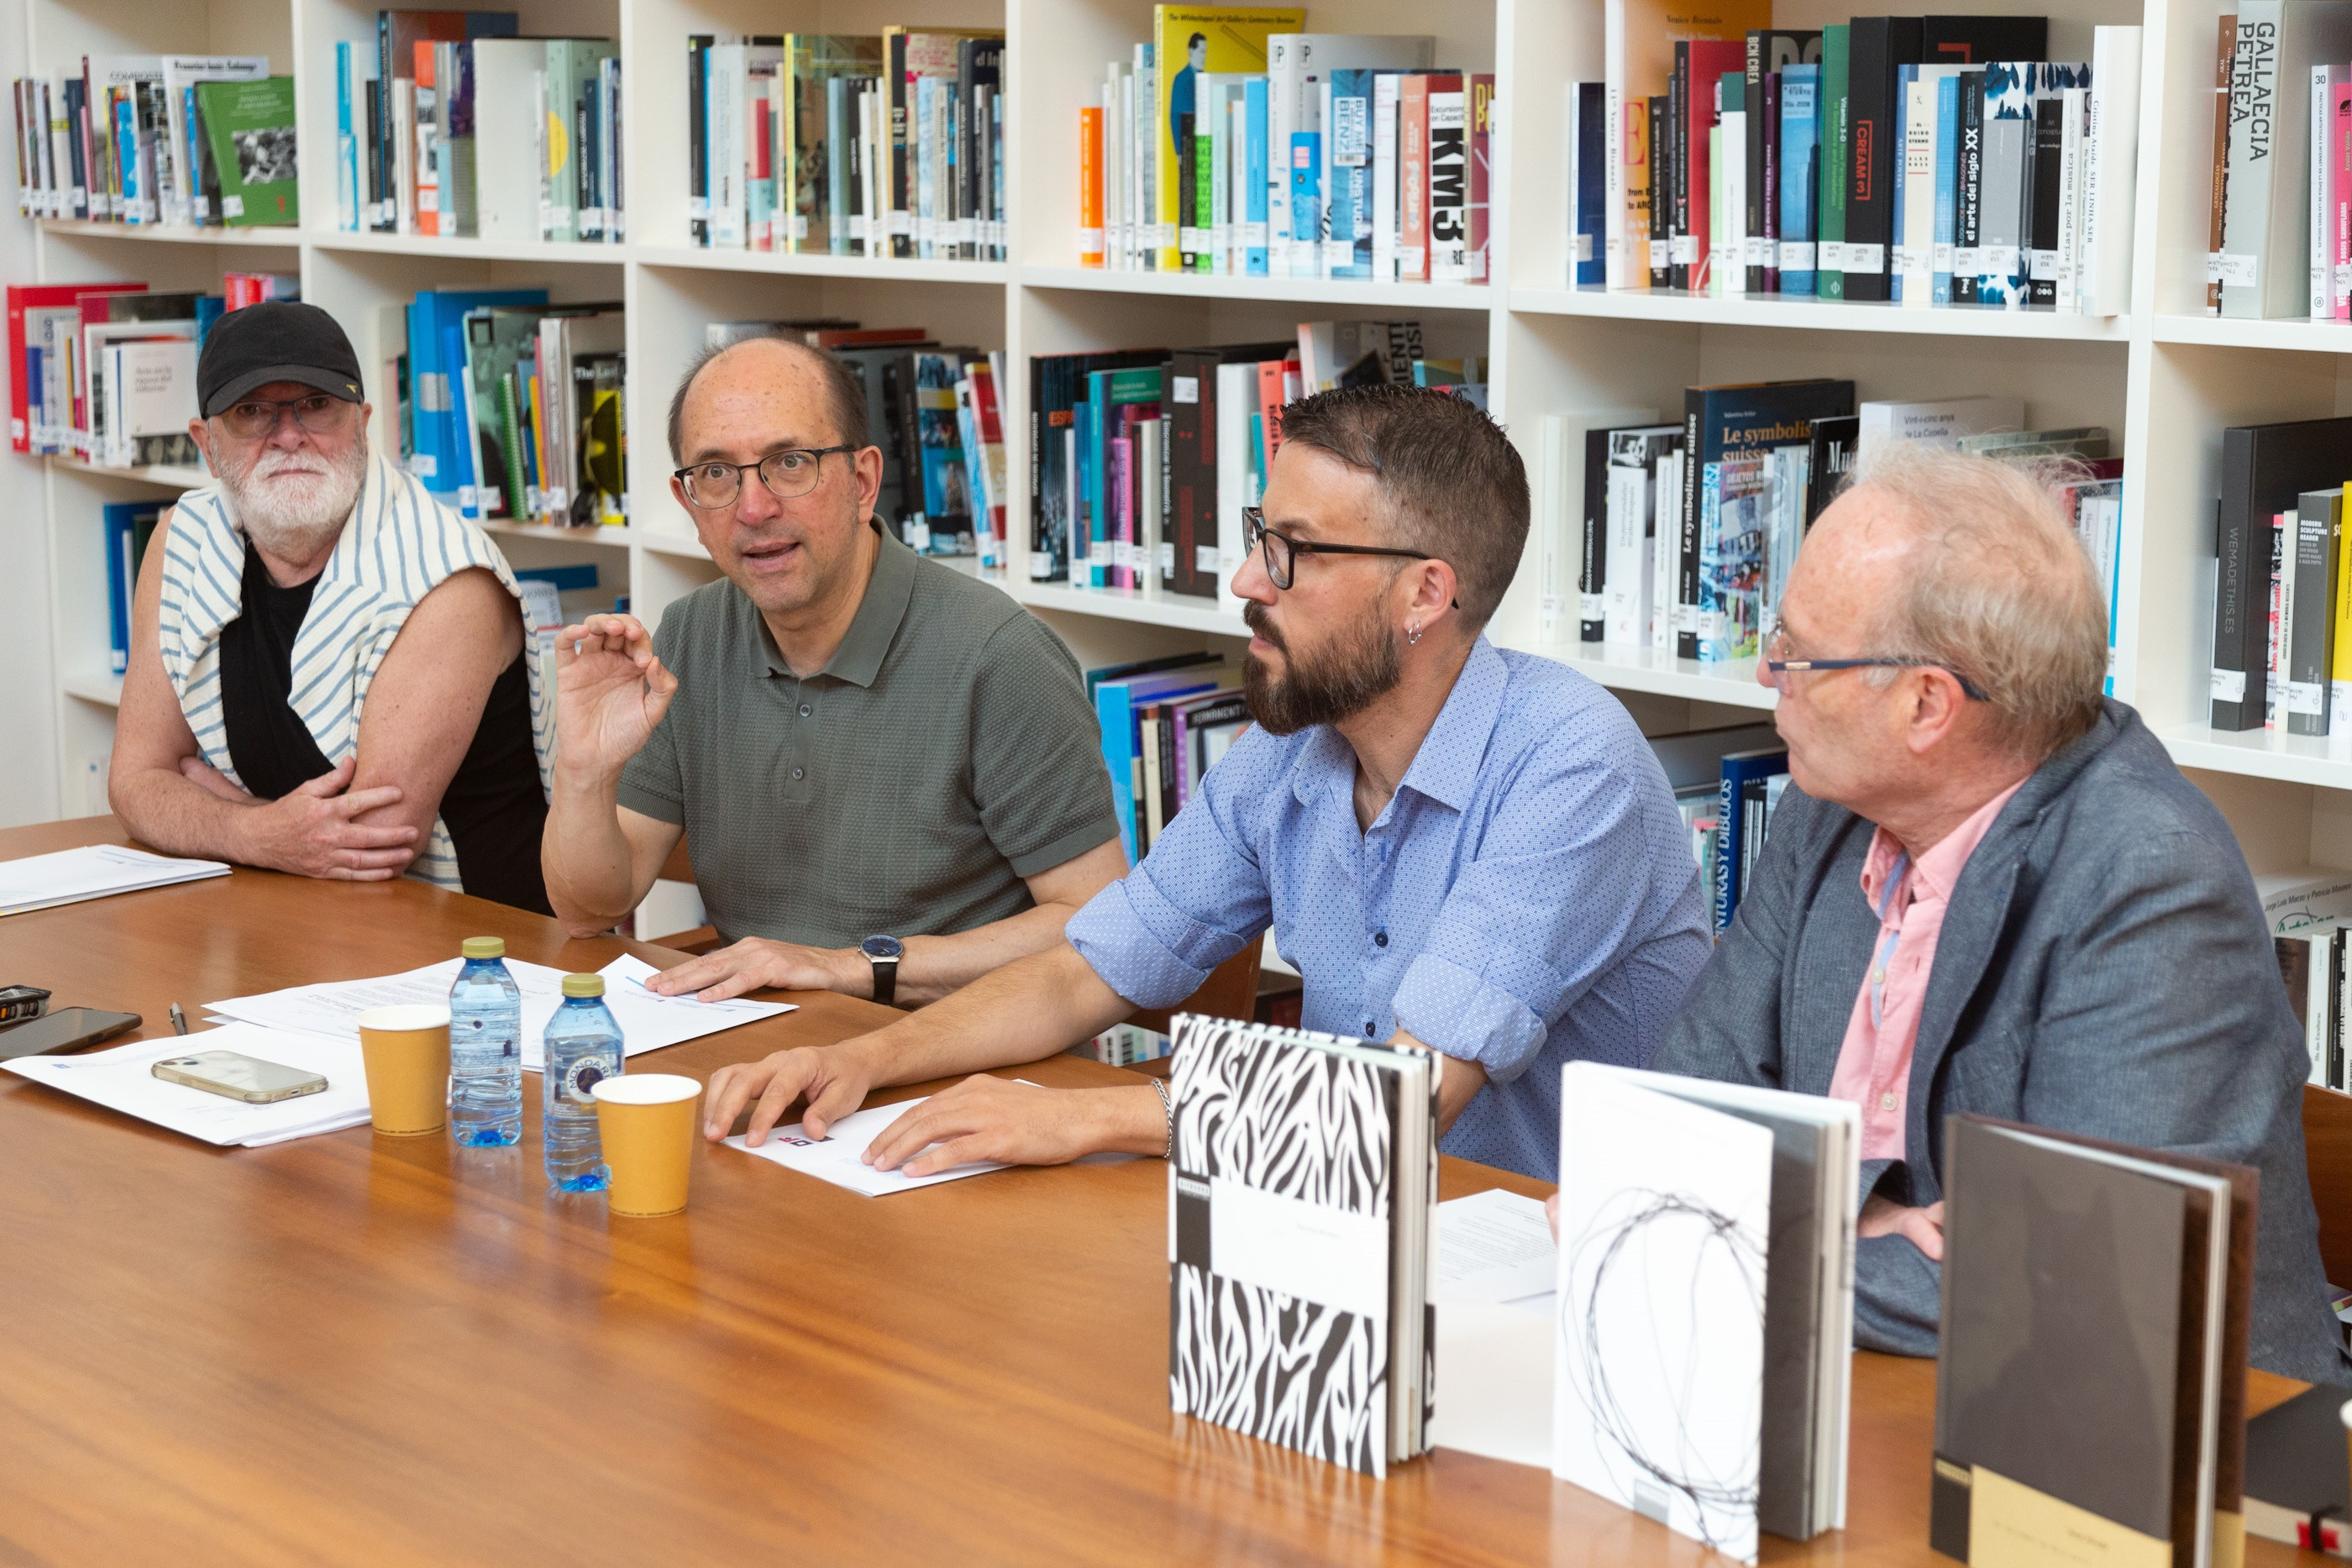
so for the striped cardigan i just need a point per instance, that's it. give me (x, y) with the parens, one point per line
(399, 544)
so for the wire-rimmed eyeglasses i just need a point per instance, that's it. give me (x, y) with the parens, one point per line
(788, 474)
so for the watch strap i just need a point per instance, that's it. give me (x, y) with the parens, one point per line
(885, 980)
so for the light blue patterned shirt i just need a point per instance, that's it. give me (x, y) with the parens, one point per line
(1527, 897)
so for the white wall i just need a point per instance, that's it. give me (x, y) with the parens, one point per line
(28, 686)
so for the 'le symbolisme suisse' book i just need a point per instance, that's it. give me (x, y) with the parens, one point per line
(1302, 1226)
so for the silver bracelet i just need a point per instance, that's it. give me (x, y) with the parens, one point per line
(1169, 1107)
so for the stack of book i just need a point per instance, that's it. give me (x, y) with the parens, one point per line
(1232, 144)
(2281, 659)
(443, 83)
(1142, 460)
(190, 140)
(889, 146)
(109, 370)
(937, 413)
(1929, 161)
(2281, 227)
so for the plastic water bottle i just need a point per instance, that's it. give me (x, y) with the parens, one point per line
(583, 1049)
(486, 1048)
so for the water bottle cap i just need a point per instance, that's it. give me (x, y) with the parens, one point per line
(584, 985)
(485, 947)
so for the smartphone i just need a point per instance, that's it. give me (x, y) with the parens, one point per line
(238, 1076)
(69, 1029)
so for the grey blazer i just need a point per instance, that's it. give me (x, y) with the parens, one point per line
(2104, 969)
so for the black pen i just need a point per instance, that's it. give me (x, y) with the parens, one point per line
(179, 1019)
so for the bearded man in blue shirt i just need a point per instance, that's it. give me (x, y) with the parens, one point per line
(1456, 846)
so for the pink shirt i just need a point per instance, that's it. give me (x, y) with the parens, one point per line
(1874, 1068)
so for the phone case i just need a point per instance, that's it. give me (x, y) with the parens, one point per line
(237, 1076)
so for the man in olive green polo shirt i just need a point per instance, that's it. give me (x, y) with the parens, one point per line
(887, 773)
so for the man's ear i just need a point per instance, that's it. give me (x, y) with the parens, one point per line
(1937, 706)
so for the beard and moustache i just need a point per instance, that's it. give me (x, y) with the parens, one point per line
(291, 504)
(1357, 667)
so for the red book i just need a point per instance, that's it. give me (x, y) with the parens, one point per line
(763, 167)
(1481, 112)
(39, 296)
(1413, 181)
(1709, 58)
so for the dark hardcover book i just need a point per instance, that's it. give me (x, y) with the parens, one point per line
(1662, 118)
(1676, 160)
(1191, 523)
(1770, 205)
(1768, 50)
(1878, 48)
(980, 67)
(1592, 175)
(1730, 824)
(1975, 40)
(1968, 221)
(2049, 166)
(1592, 576)
(2311, 651)
(1834, 442)
(1739, 421)
(1271, 1129)
(2265, 468)
(2092, 1292)
(698, 141)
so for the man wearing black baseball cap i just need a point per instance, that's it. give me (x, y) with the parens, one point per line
(329, 671)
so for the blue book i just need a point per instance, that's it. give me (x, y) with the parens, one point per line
(1305, 199)
(1948, 181)
(347, 147)
(126, 149)
(1254, 240)
(1351, 146)
(1589, 233)
(1115, 705)
(1801, 137)
(128, 526)
(444, 450)
(1739, 769)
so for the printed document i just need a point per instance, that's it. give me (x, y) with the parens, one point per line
(835, 1157)
(93, 871)
(1494, 1246)
(648, 1020)
(121, 1078)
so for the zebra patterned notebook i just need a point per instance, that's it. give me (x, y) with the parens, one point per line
(1302, 1202)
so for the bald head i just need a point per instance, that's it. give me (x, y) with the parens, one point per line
(755, 361)
(1964, 562)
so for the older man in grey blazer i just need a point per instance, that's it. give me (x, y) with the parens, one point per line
(1991, 891)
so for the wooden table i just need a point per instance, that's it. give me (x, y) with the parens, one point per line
(349, 1349)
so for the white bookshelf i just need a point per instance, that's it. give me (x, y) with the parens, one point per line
(2164, 378)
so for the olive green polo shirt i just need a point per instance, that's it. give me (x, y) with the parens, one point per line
(946, 752)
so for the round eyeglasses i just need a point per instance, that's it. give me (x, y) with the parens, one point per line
(255, 418)
(789, 474)
(1282, 551)
(1776, 660)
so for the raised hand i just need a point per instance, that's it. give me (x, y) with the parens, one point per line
(610, 692)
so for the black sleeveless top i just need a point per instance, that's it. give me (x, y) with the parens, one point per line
(492, 808)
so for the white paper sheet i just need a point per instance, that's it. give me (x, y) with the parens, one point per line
(648, 1021)
(1494, 1246)
(93, 871)
(120, 1080)
(834, 1157)
(1494, 1379)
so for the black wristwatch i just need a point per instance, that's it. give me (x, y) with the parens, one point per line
(884, 953)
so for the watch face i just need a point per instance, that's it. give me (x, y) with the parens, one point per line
(883, 947)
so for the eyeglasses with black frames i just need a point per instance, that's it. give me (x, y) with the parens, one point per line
(256, 418)
(1282, 551)
(788, 474)
(1777, 660)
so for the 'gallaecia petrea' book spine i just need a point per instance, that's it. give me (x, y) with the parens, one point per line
(1301, 1214)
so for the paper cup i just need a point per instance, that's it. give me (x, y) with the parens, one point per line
(406, 1049)
(646, 1122)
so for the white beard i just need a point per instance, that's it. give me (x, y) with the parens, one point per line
(295, 515)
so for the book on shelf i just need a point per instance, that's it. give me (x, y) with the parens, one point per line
(413, 118)
(127, 139)
(2263, 259)
(2265, 471)
(1705, 1302)
(247, 145)
(1301, 1244)
(2091, 1362)
(1573, 520)
(1639, 48)
(128, 526)
(44, 343)
(1717, 573)
(1120, 706)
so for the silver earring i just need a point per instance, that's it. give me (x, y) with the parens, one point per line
(1413, 633)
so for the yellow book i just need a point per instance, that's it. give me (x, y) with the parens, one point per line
(2339, 674)
(1187, 41)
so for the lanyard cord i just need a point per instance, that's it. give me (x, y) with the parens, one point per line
(1895, 883)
